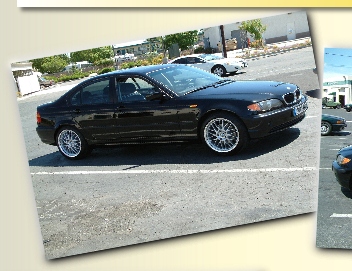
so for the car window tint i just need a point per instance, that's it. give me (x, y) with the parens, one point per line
(76, 98)
(96, 93)
(132, 89)
(198, 60)
(180, 61)
(191, 60)
(182, 79)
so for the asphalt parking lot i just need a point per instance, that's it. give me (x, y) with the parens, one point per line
(334, 217)
(128, 195)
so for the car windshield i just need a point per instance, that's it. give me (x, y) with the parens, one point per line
(183, 79)
(210, 57)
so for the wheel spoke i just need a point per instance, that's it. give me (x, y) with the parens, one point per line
(69, 143)
(221, 135)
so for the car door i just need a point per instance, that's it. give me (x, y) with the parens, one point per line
(141, 118)
(93, 108)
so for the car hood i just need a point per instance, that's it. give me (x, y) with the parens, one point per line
(330, 117)
(346, 151)
(254, 90)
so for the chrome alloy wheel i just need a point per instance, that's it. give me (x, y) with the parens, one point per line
(324, 129)
(221, 135)
(69, 143)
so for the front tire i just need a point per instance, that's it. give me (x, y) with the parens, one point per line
(218, 70)
(72, 144)
(325, 128)
(224, 134)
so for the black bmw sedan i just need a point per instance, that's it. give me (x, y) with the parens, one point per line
(167, 103)
(342, 167)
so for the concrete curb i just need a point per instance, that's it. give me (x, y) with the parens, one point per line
(281, 47)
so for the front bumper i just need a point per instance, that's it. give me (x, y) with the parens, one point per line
(339, 127)
(274, 121)
(342, 175)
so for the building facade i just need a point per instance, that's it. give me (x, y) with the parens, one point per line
(280, 28)
(339, 91)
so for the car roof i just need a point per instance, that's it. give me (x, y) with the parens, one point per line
(137, 70)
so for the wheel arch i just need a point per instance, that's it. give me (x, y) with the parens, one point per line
(62, 124)
(219, 65)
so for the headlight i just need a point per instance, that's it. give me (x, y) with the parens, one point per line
(341, 160)
(266, 105)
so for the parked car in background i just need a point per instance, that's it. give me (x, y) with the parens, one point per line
(44, 83)
(330, 123)
(342, 167)
(212, 63)
(329, 103)
(168, 103)
(348, 107)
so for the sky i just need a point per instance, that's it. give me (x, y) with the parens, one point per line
(337, 63)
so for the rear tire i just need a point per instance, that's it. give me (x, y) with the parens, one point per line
(71, 143)
(218, 70)
(224, 134)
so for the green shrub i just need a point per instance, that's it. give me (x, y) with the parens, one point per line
(208, 50)
(104, 62)
(199, 50)
(106, 70)
(71, 76)
(154, 60)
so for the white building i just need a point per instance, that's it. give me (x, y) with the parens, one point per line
(339, 91)
(283, 27)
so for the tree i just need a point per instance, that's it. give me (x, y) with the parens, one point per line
(255, 28)
(183, 39)
(92, 55)
(50, 64)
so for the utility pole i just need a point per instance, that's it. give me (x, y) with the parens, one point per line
(224, 53)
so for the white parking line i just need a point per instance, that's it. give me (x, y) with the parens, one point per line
(341, 215)
(133, 171)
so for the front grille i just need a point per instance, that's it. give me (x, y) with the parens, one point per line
(286, 125)
(292, 97)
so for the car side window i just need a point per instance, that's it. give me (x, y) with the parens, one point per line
(198, 60)
(180, 61)
(134, 89)
(94, 93)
